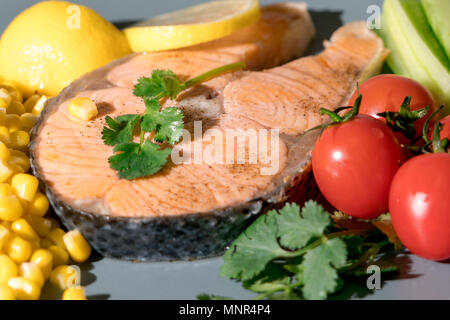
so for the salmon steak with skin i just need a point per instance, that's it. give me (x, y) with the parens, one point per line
(196, 208)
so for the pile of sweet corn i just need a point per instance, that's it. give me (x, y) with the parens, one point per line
(33, 247)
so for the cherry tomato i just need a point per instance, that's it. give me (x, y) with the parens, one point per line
(420, 205)
(445, 132)
(354, 163)
(386, 92)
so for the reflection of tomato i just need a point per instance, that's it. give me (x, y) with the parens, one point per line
(386, 92)
(353, 164)
(420, 205)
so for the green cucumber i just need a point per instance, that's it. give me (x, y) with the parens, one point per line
(415, 51)
(437, 12)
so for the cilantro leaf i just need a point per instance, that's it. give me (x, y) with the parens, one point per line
(354, 246)
(386, 266)
(205, 296)
(167, 123)
(161, 84)
(253, 249)
(136, 160)
(295, 229)
(274, 277)
(120, 130)
(319, 265)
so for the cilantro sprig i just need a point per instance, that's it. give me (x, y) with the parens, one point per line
(295, 253)
(157, 128)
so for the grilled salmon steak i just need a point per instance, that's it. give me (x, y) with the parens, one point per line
(196, 207)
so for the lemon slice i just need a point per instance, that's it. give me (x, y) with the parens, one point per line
(197, 24)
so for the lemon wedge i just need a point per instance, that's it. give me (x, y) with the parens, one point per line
(197, 24)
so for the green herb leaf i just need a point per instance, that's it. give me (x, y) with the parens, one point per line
(120, 130)
(320, 264)
(167, 123)
(321, 259)
(205, 296)
(385, 265)
(135, 160)
(163, 83)
(253, 249)
(295, 229)
(273, 278)
(354, 246)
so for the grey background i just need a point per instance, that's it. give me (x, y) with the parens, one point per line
(113, 279)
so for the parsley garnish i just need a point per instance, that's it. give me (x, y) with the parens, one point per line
(133, 160)
(298, 253)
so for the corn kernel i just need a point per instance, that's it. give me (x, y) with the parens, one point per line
(19, 139)
(60, 256)
(6, 224)
(5, 135)
(12, 90)
(24, 289)
(5, 235)
(54, 222)
(5, 97)
(39, 206)
(19, 159)
(3, 104)
(12, 122)
(65, 277)
(2, 116)
(5, 190)
(74, 293)
(39, 106)
(16, 108)
(10, 208)
(56, 235)
(31, 102)
(28, 120)
(18, 249)
(4, 152)
(7, 170)
(46, 244)
(83, 108)
(25, 186)
(79, 249)
(41, 225)
(8, 269)
(6, 293)
(31, 271)
(43, 258)
(23, 229)
(35, 245)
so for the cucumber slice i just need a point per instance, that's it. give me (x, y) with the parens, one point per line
(414, 50)
(437, 12)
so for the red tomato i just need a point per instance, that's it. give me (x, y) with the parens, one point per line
(420, 205)
(445, 132)
(353, 164)
(386, 92)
